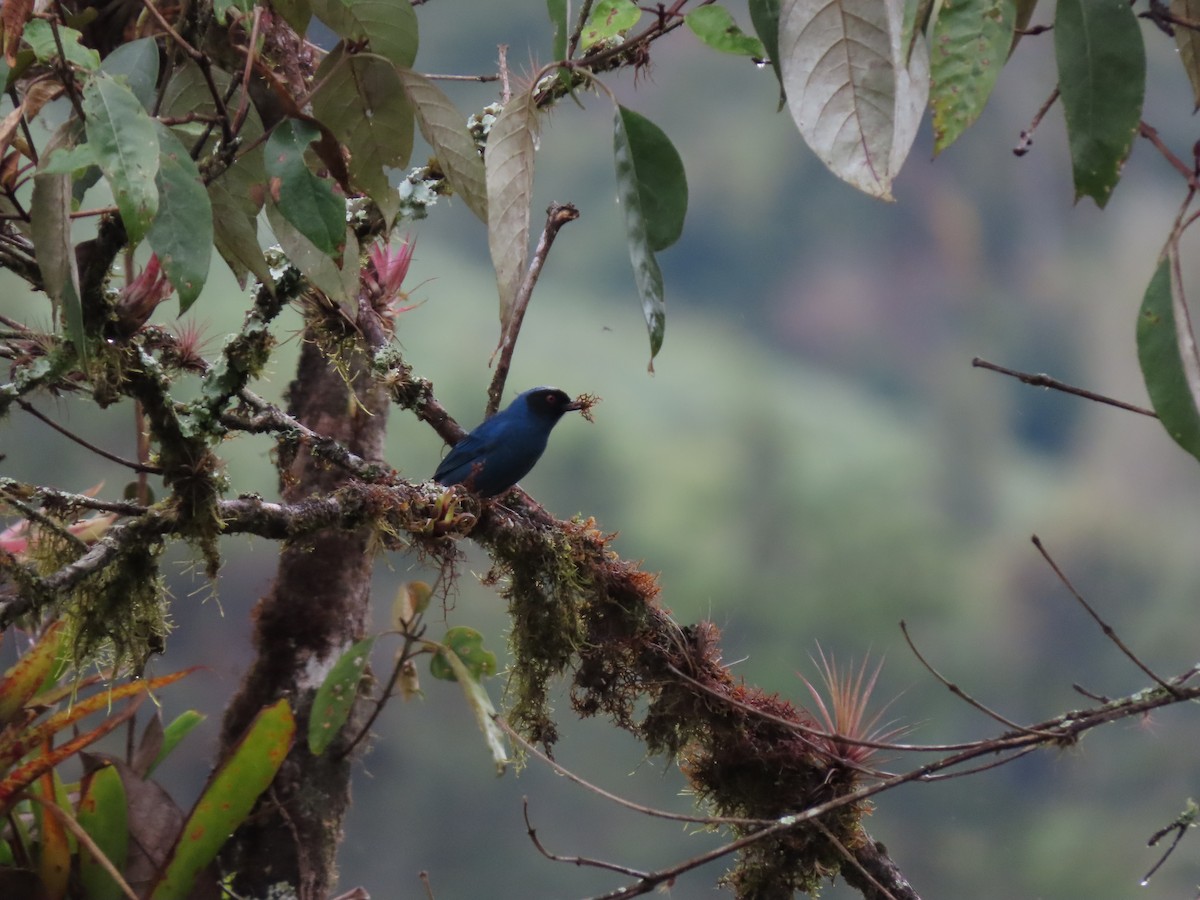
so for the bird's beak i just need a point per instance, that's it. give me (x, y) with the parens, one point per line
(573, 405)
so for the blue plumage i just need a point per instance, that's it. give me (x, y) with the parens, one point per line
(503, 449)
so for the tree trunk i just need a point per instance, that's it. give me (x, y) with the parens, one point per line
(315, 609)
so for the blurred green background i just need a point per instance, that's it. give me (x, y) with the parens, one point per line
(815, 460)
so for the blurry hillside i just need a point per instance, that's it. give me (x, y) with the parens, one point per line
(814, 460)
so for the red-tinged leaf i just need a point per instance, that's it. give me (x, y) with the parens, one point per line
(1168, 355)
(15, 745)
(103, 815)
(336, 696)
(228, 798)
(182, 231)
(445, 129)
(28, 673)
(306, 201)
(1102, 81)
(54, 844)
(508, 162)
(125, 142)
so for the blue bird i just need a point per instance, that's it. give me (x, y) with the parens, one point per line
(503, 449)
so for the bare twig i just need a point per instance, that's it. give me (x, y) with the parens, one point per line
(1054, 384)
(505, 88)
(959, 692)
(111, 457)
(1025, 141)
(1108, 630)
(1150, 133)
(557, 215)
(852, 860)
(621, 801)
(574, 860)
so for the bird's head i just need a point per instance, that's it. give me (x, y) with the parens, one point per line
(549, 402)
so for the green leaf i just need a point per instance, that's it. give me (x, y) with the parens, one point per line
(658, 177)
(1102, 80)
(235, 232)
(764, 16)
(558, 18)
(461, 658)
(855, 99)
(173, 734)
(29, 673)
(971, 40)
(182, 232)
(445, 130)
(305, 200)
(1187, 41)
(39, 35)
(389, 25)
(68, 160)
(336, 695)
(50, 211)
(715, 26)
(339, 281)
(609, 18)
(103, 815)
(646, 273)
(137, 63)
(466, 645)
(508, 161)
(1167, 354)
(362, 101)
(125, 142)
(227, 800)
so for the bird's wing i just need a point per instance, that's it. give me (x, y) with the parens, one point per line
(463, 456)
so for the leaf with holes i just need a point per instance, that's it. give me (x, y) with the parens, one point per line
(971, 40)
(390, 26)
(336, 695)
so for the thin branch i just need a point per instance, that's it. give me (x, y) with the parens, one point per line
(850, 858)
(1150, 133)
(959, 692)
(480, 78)
(1046, 381)
(621, 801)
(64, 68)
(505, 88)
(40, 518)
(557, 215)
(99, 451)
(1025, 141)
(574, 860)
(1104, 626)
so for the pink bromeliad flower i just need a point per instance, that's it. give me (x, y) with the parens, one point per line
(383, 277)
(142, 295)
